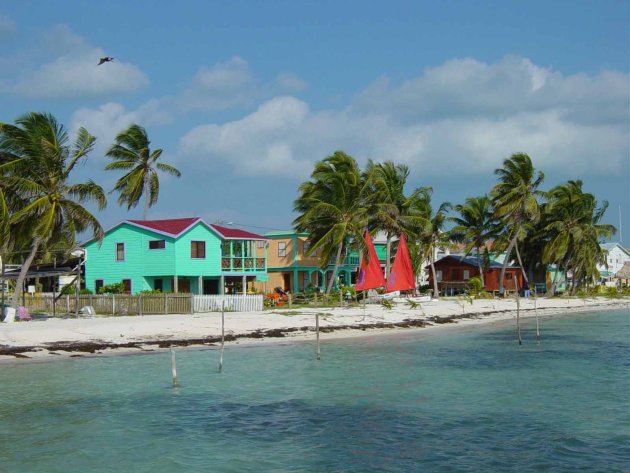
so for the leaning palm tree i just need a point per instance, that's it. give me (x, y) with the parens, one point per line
(390, 210)
(515, 202)
(332, 209)
(40, 161)
(475, 226)
(131, 153)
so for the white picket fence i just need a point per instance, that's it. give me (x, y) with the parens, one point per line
(233, 303)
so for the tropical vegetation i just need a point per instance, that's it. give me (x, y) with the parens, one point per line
(131, 153)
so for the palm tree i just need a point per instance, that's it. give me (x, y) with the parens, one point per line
(332, 208)
(434, 236)
(390, 209)
(573, 223)
(131, 153)
(40, 161)
(475, 226)
(515, 201)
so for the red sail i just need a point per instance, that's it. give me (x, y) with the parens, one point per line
(401, 275)
(370, 274)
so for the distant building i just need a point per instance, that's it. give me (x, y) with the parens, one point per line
(616, 257)
(453, 274)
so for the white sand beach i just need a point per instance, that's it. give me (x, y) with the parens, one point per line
(48, 338)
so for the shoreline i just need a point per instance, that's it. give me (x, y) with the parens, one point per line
(63, 338)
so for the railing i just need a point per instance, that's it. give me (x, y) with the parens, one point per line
(239, 264)
(235, 303)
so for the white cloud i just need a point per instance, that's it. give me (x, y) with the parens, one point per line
(290, 83)
(463, 116)
(70, 70)
(220, 87)
(231, 84)
(112, 118)
(6, 25)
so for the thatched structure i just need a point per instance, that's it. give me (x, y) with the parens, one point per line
(623, 274)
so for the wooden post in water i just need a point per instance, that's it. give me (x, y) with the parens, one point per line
(317, 334)
(536, 313)
(174, 367)
(222, 334)
(518, 311)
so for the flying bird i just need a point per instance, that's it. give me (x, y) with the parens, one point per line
(104, 60)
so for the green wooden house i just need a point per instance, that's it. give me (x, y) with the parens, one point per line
(176, 255)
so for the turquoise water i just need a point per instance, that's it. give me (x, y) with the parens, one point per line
(466, 401)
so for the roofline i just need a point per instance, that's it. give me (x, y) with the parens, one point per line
(218, 232)
(174, 235)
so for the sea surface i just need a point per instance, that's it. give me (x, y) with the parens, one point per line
(453, 400)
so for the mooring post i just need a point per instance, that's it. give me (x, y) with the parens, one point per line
(317, 334)
(222, 334)
(518, 312)
(174, 367)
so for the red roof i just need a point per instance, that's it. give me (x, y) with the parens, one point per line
(172, 226)
(236, 233)
(176, 226)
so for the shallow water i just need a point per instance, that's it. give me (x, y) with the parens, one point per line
(457, 400)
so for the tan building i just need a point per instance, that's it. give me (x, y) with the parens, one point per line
(289, 268)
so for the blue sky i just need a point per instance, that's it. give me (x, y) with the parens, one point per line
(245, 96)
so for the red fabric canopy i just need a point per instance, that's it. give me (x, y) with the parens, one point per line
(401, 275)
(370, 274)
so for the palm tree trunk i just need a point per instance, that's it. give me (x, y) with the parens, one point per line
(520, 262)
(146, 198)
(505, 263)
(388, 255)
(337, 262)
(19, 284)
(483, 284)
(436, 292)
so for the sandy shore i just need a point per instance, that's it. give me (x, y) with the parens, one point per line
(49, 338)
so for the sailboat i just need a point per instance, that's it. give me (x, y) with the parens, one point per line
(401, 276)
(370, 274)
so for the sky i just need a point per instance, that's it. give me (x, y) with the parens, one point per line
(244, 97)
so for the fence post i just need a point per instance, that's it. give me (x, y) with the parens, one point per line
(139, 303)
(192, 303)
(113, 304)
(67, 304)
(165, 304)
(315, 294)
(290, 300)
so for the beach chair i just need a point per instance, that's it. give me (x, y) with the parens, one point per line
(23, 315)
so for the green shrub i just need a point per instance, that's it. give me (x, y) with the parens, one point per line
(116, 288)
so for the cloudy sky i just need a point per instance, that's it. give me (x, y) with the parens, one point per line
(244, 97)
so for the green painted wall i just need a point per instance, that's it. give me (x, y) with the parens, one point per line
(143, 265)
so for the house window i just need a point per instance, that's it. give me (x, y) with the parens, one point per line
(120, 252)
(508, 275)
(157, 244)
(466, 274)
(261, 243)
(98, 284)
(158, 285)
(282, 248)
(306, 245)
(197, 249)
(127, 285)
(438, 275)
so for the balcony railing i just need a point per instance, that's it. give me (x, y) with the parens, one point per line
(243, 264)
